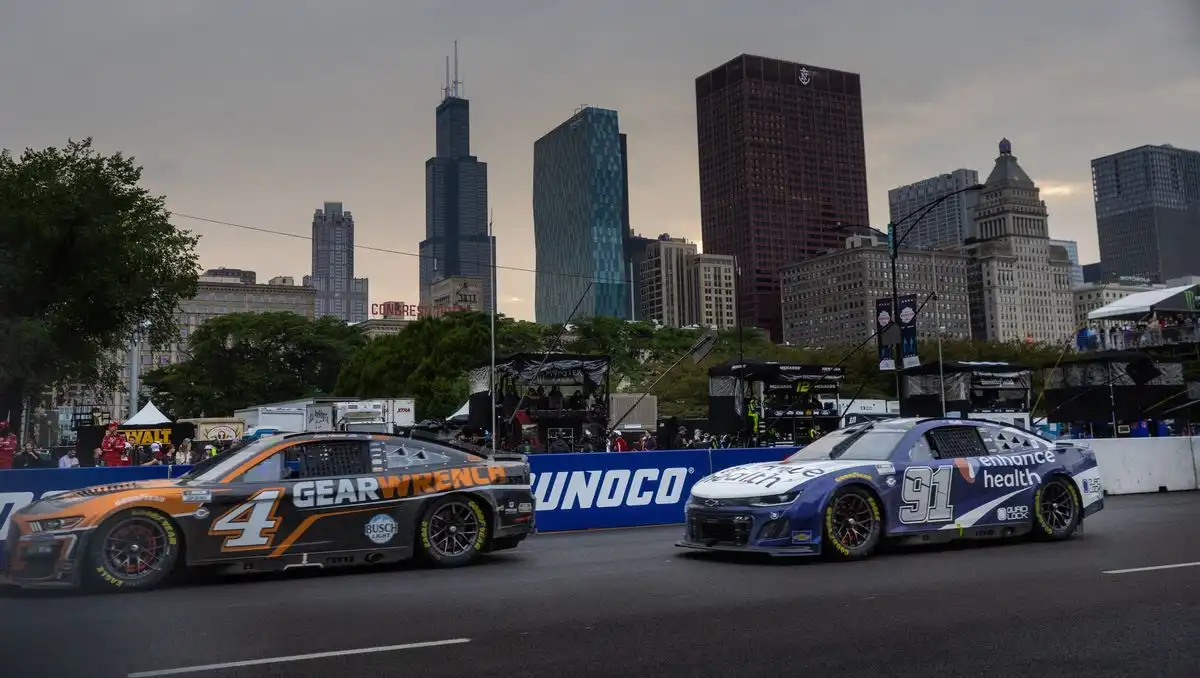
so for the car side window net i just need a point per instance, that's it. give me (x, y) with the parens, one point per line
(952, 442)
(332, 459)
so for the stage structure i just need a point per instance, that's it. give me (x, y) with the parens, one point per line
(562, 398)
(973, 390)
(745, 396)
(1106, 393)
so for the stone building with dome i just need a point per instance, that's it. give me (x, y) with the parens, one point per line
(1019, 283)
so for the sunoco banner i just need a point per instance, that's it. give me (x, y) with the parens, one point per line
(883, 318)
(908, 331)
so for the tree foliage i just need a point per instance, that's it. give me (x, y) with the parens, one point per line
(238, 361)
(429, 359)
(246, 359)
(86, 257)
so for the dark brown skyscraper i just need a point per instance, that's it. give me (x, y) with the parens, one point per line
(782, 168)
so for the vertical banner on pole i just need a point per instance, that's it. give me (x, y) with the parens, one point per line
(883, 318)
(908, 331)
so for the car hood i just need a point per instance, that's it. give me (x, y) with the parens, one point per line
(757, 480)
(58, 502)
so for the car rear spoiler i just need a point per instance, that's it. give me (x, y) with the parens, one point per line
(477, 450)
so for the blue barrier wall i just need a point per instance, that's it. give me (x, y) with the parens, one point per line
(626, 489)
(574, 491)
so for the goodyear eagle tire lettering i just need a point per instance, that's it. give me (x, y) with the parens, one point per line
(1057, 509)
(853, 524)
(134, 550)
(453, 530)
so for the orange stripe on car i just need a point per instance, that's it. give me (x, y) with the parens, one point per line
(308, 522)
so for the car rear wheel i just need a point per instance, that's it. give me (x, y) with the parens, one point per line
(134, 550)
(1057, 510)
(853, 524)
(453, 531)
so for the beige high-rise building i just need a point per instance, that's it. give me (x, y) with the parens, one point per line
(457, 292)
(667, 292)
(680, 287)
(830, 299)
(215, 296)
(714, 279)
(1020, 283)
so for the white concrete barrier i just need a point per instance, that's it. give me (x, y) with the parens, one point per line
(1136, 465)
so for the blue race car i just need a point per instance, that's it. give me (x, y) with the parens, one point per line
(917, 481)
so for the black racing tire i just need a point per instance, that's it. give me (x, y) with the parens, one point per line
(1057, 509)
(123, 538)
(852, 524)
(453, 531)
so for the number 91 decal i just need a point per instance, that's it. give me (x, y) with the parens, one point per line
(925, 492)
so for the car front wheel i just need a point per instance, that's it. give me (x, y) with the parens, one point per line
(853, 524)
(134, 550)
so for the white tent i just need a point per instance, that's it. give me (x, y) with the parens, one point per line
(1137, 305)
(149, 416)
(464, 411)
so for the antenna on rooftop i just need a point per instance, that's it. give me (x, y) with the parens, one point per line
(453, 87)
(456, 85)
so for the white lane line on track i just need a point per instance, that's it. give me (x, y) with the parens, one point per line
(297, 658)
(1154, 568)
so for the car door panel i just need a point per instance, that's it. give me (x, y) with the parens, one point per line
(936, 485)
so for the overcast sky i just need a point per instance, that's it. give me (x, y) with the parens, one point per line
(257, 111)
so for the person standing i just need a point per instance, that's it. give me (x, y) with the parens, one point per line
(8, 446)
(113, 450)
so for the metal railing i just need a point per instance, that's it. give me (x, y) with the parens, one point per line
(1132, 339)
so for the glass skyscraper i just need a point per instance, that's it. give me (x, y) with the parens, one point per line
(457, 243)
(580, 219)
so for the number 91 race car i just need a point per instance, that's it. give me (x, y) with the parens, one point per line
(917, 481)
(286, 501)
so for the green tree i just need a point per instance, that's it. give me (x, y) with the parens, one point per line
(245, 359)
(87, 256)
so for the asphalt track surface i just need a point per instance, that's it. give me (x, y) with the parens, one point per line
(627, 603)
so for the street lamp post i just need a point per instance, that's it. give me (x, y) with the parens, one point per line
(895, 240)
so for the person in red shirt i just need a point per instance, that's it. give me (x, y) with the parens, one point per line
(618, 443)
(113, 448)
(8, 446)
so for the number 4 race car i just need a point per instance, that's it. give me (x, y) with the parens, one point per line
(916, 481)
(298, 500)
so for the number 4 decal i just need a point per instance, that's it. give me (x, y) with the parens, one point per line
(251, 524)
(926, 495)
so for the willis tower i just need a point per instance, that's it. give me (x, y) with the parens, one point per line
(457, 243)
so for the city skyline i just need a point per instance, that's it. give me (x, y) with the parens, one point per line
(217, 129)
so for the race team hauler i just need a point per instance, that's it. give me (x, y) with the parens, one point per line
(290, 501)
(915, 481)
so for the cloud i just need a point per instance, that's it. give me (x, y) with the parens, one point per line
(258, 112)
(1056, 189)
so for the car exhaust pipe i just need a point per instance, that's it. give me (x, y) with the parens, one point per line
(374, 557)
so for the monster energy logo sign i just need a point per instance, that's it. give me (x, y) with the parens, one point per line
(1189, 298)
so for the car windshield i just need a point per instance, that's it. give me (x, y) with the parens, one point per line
(212, 468)
(867, 444)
